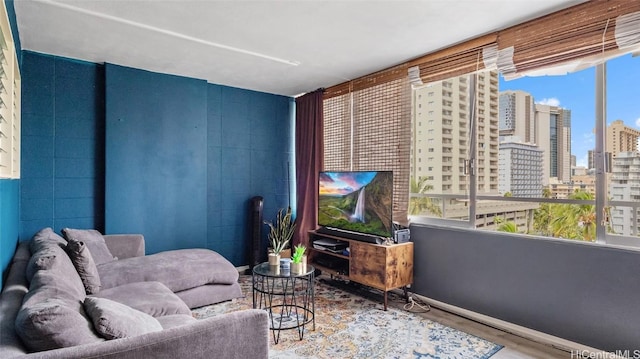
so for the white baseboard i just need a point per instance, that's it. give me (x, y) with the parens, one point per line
(528, 333)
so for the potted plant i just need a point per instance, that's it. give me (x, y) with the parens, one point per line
(280, 234)
(298, 259)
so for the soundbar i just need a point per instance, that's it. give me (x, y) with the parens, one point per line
(350, 235)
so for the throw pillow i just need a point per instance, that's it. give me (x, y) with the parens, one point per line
(115, 320)
(54, 323)
(86, 267)
(94, 242)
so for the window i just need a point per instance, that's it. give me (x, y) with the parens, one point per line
(500, 159)
(558, 125)
(9, 102)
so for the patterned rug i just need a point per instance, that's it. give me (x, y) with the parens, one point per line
(351, 326)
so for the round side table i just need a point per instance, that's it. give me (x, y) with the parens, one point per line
(288, 297)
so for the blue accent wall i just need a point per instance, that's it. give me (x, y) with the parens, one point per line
(62, 181)
(156, 157)
(184, 158)
(9, 205)
(249, 154)
(226, 146)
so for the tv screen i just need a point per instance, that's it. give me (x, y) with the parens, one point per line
(356, 201)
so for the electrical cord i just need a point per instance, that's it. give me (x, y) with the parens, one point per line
(413, 303)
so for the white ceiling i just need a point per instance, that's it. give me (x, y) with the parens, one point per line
(280, 47)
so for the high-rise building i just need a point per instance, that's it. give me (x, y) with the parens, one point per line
(441, 134)
(441, 140)
(625, 186)
(621, 138)
(516, 115)
(520, 169)
(553, 136)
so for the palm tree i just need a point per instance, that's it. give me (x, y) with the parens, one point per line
(542, 219)
(418, 205)
(585, 215)
(572, 221)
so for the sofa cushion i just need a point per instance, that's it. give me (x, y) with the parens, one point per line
(209, 294)
(177, 269)
(152, 298)
(41, 259)
(93, 240)
(57, 274)
(45, 237)
(115, 320)
(54, 323)
(175, 320)
(84, 264)
(42, 247)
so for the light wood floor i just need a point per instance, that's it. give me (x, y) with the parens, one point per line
(515, 347)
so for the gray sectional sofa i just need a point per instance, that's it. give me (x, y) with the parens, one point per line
(93, 296)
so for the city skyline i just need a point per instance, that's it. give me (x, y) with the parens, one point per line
(576, 92)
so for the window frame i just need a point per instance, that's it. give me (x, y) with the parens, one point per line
(601, 201)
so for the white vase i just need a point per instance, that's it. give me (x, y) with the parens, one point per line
(274, 259)
(297, 268)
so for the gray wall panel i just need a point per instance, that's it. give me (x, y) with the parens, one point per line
(585, 293)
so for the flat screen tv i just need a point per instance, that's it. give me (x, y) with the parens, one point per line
(356, 201)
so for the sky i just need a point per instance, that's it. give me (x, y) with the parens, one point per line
(576, 92)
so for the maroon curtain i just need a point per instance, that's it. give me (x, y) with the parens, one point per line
(309, 157)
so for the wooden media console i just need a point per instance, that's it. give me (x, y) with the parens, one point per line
(380, 266)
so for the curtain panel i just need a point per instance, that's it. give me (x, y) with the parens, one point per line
(309, 144)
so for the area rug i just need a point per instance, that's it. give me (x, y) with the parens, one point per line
(352, 326)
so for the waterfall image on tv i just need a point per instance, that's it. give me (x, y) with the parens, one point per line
(356, 201)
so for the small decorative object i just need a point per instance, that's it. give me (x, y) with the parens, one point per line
(280, 234)
(299, 260)
(285, 264)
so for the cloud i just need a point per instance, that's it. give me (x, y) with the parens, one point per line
(638, 123)
(549, 101)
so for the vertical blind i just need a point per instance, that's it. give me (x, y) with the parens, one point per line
(367, 128)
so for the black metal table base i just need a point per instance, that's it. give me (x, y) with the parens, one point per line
(288, 298)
